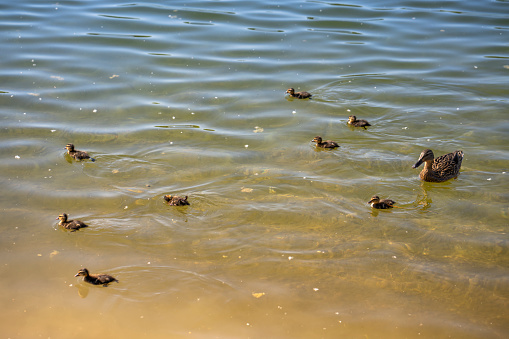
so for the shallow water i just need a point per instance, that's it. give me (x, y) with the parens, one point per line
(188, 98)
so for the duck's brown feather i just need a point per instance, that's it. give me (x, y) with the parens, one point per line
(439, 169)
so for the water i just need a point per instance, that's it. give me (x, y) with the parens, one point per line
(188, 98)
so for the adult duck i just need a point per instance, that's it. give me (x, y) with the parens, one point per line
(439, 169)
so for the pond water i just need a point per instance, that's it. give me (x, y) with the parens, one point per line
(188, 98)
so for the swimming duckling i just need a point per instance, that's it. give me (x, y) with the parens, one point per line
(175, 200)
(376, 202)
(352, 121)
(440, 169)
(96, 279)
(72, 225)
(77, 155)
(298, 95)
(324, 144)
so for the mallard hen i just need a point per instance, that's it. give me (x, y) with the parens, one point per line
(439, 169)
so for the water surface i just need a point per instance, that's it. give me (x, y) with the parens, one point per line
(188, 98)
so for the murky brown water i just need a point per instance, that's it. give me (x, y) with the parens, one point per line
(278, 241)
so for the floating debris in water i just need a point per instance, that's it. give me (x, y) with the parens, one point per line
(17, 157)
(258, 129)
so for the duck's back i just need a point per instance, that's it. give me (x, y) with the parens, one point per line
(100, 279)
(79, 155)
(74, 225)
(360, 123)
(448, 164)
(329, 144)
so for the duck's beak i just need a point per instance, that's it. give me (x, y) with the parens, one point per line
(369, 202)
(417, 164)
(56, 219)
(77, 274)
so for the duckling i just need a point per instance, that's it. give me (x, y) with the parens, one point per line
(352, 121)
(440, 169)
(72, 225)
(298, 95)
(324, 144)
(176, 200)
(77, 155)
(95, 279)
(376, 202)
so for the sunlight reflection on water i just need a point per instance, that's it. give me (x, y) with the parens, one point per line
(188, 98)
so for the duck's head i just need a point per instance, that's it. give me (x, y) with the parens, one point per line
(317, 139)
(290, 91)
(83, 272)
(62, 217)
(69, 147)
(352, 118)
(374, 199)
(426, 155)
(167, 197)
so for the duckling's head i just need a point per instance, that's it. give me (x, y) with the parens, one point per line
(317, 139)
(83, 272)
(374, 199)
(167, 198)
(69, 147)
(290, 91)
(62, 217)
(426, 155)
(352, 118)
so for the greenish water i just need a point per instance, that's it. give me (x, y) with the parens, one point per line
(188, 98)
